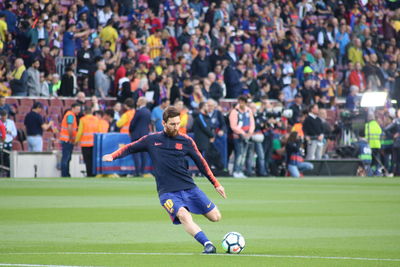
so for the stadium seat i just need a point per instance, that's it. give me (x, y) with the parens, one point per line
(26, 102)
(45, 102)
(48, 136)
(19, 118)
(24, 109)
(12, 101)
(20, 125)
(56, 118)
(16, 145)
(56, 102)
(55, 110)
(68, 102)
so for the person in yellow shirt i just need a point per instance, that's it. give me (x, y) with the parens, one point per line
(125, 120)
(88, 126)
(109, 33)
(3, 28)
(356, 53)
(155, 44)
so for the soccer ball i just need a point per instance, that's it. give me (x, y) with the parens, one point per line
(233, 242)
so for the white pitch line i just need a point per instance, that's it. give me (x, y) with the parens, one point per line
(191, 254)
(39, 265)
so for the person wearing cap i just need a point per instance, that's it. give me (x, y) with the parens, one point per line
(35, 125)
(297, 107)
(33, 82)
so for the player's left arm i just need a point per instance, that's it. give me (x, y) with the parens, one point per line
(137, 146)
(201, 163)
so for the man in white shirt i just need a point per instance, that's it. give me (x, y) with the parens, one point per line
(11, 133)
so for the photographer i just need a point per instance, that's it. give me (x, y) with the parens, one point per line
(241, 120)
(294, 156)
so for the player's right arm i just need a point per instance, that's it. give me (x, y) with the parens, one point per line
(137, 146)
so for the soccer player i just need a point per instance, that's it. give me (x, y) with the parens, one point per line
(177, 191)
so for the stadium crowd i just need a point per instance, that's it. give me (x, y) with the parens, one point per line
(288, 63)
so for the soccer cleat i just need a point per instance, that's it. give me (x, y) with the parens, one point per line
(209, 249)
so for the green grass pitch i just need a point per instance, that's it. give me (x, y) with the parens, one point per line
(119, 222)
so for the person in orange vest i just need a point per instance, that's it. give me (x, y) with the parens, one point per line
(183, 116)
(125, 120)
(69, 128)
(298, 127)
(103, 124)
(88, 126)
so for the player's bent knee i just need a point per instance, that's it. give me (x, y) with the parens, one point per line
(183, 215)
(214, 216)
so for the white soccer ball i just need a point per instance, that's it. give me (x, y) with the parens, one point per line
(233, 242)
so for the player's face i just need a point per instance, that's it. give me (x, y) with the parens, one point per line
(171, 127)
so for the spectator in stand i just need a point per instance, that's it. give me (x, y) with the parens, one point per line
(297, 107)
(241, 120)
(2, 132)
(18, 78)
(67, 83)
(33, 81)
(69, 41)
(139, 127)
(6, 107)
(155, 44)
(11, 133)
(126, 65)
(101, 81)
(356, 53)
(352, 98)
(290, 92)
(294, 158)
(201, 64)
(156, 114)
(109, 34)
(313, 131)
(357, 77)
(85, 59)
(3, 30)
(35, 125)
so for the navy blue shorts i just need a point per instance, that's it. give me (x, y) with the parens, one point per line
(194, 200)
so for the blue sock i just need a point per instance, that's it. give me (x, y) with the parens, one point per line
(201, 238)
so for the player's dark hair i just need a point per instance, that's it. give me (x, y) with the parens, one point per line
(170, 112)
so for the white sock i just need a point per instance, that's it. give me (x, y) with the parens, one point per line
(208, 242)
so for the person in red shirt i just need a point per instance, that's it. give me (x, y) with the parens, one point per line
(121, 73)
(154, 22)
(357, 78)
(2, 131)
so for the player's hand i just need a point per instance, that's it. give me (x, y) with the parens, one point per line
(108, 157)
(220, 189)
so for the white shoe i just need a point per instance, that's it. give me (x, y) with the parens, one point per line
(239, 175)
(242, 175)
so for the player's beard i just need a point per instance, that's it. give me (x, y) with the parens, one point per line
(171, 133)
